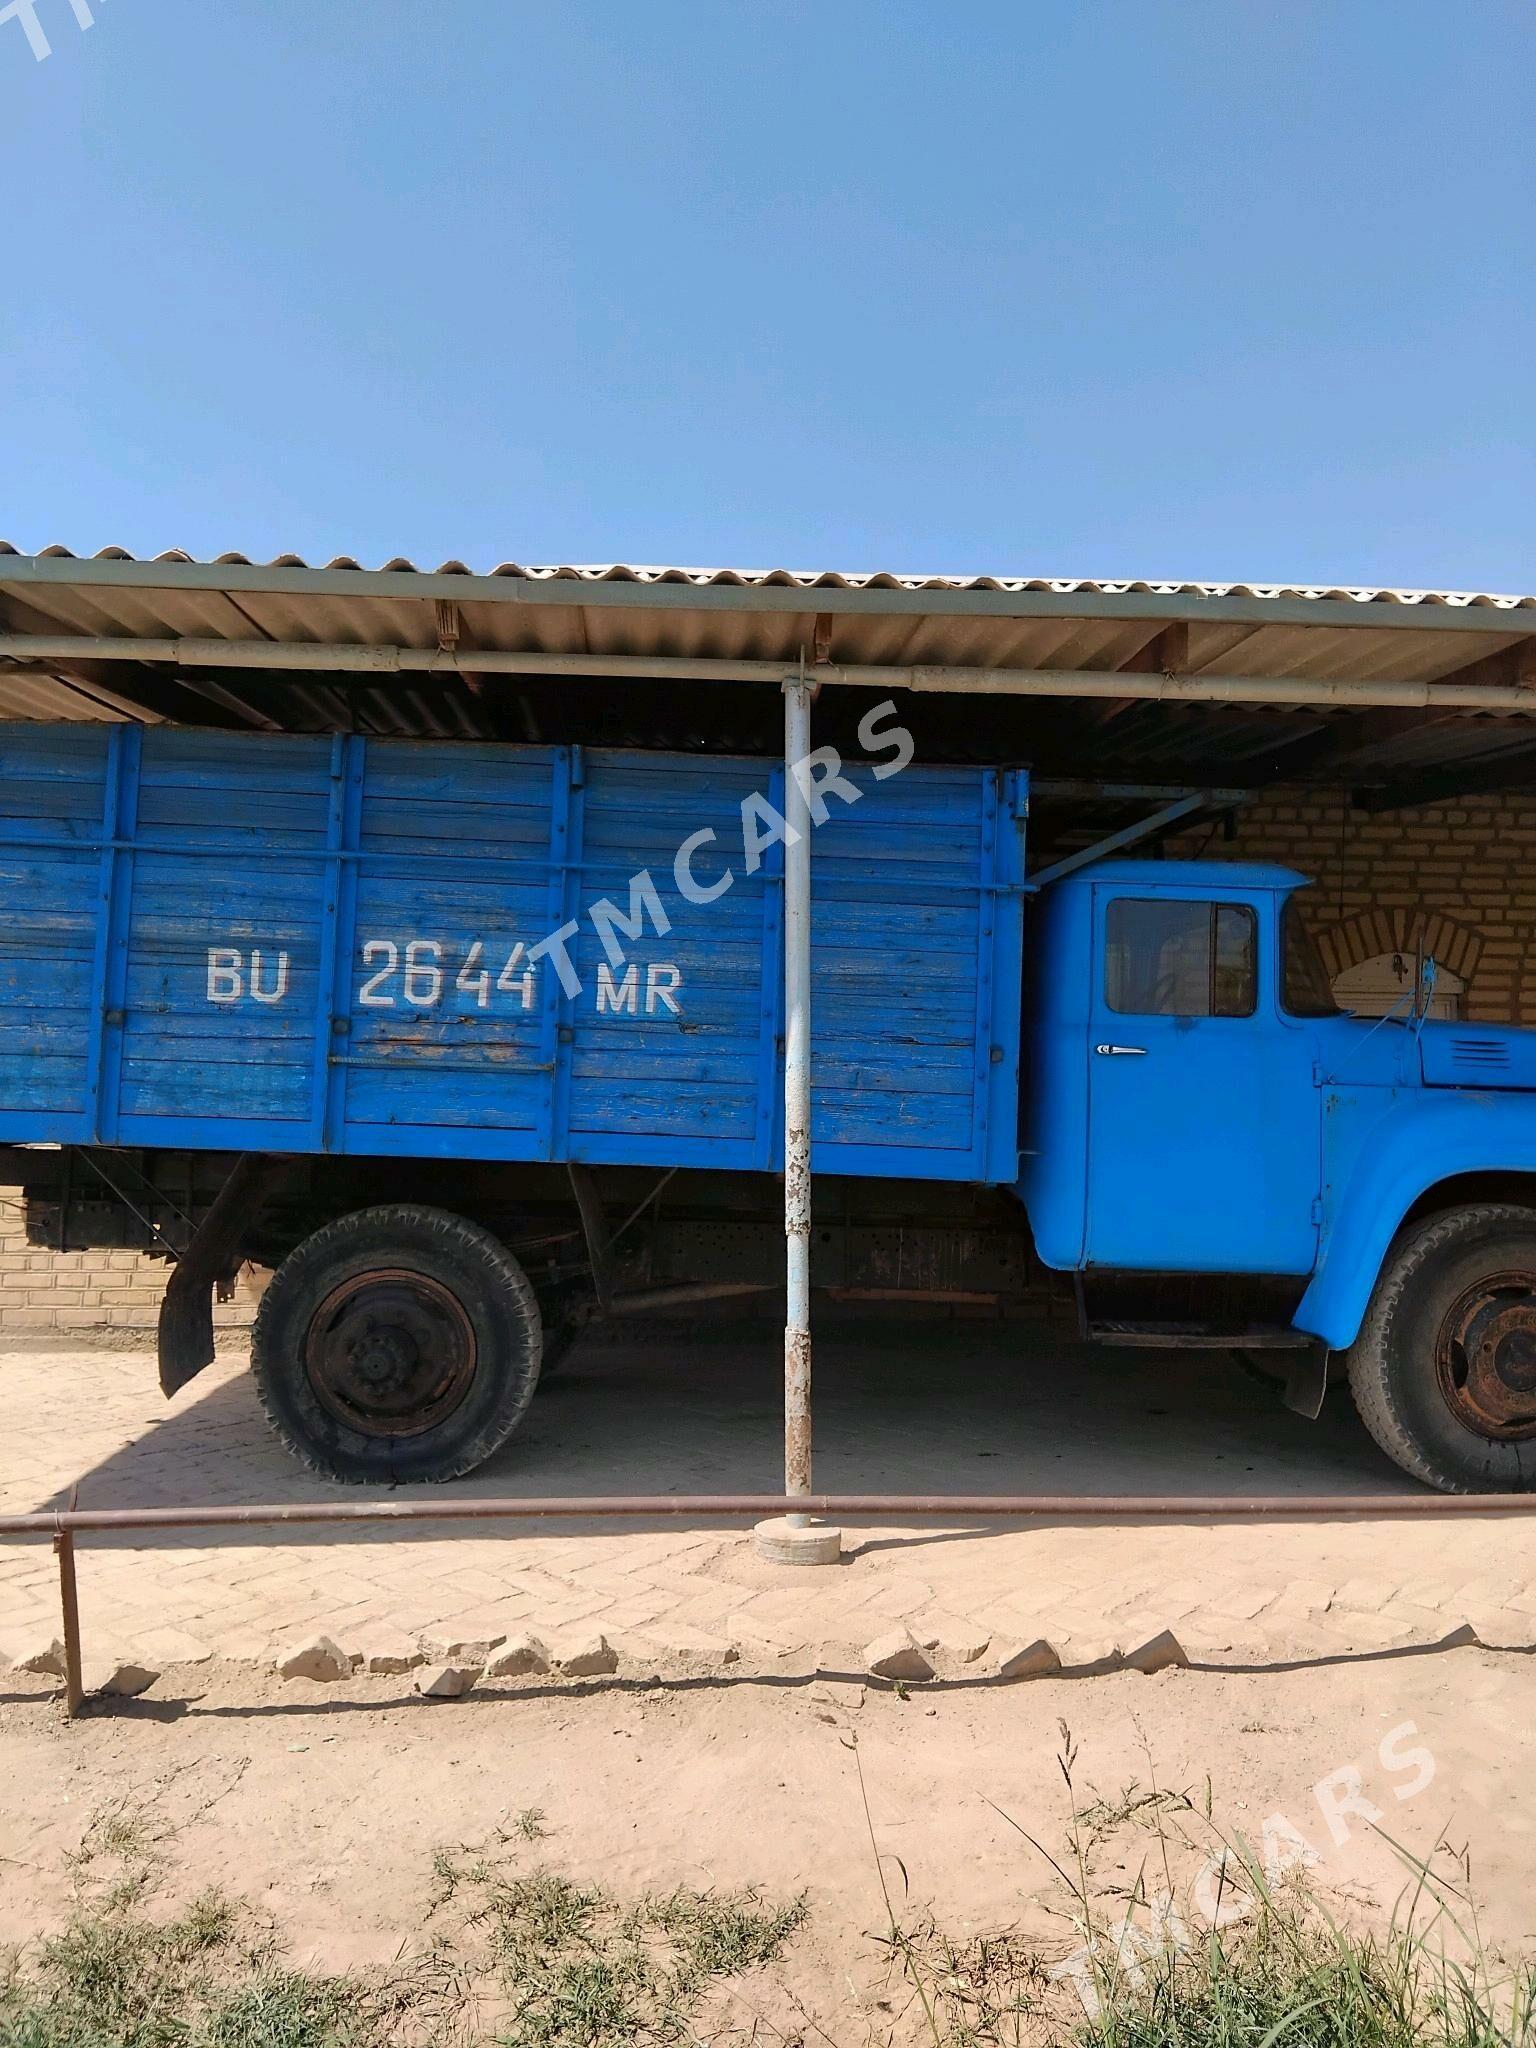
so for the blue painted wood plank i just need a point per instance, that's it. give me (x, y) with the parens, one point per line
(120, 820)
(229, 940)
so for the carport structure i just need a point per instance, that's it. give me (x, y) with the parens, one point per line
(1401, 696)
(1142, 708)
(1131, 701)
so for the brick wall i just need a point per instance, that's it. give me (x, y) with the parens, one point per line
(1461, 876)
(90, 1297)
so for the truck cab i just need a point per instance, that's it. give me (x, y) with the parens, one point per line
(1197, 1104)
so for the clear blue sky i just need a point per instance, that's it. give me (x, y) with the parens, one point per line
(1088, 287)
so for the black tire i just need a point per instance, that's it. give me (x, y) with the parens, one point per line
(1444, 1369)
(397, 1344)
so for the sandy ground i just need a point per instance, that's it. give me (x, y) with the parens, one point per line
(325, 1808)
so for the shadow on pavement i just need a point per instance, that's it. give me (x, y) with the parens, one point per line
(931, 1407)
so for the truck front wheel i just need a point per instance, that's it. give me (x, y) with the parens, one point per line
(397, 1344)
(1444, 1369)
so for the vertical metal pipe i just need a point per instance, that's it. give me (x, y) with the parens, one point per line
(69, 1602)
(797, 1096)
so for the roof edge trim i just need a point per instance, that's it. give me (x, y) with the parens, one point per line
(1237, 605)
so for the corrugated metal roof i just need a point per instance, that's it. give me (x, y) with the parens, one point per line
(1313, 633)
(827, 579)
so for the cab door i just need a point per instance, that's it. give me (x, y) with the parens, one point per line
(1204, 1124)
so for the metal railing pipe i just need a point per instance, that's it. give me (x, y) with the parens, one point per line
(373, 660)
(1075, 1507)
(63, 1525)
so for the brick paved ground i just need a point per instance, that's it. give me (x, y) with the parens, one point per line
(950, 1407)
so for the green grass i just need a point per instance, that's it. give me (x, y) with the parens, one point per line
(1291, 1977)
(575, 1969)
(1286, 1976)
(1290, 1971)
(206, 1978)
(560, 1965)
(124, 1973)
(513, 1955)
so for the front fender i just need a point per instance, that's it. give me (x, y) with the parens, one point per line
(1424, 1138)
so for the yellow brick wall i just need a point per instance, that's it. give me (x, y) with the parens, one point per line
(89, 1297)
(1473, 862)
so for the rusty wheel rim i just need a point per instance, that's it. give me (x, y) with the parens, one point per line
(1485, 1357)
(390, 1353)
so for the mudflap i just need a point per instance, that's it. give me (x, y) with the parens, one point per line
(186, 1312)
(1306, 1381)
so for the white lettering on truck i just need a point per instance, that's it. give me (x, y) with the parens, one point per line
(427, 973)
(265, 980)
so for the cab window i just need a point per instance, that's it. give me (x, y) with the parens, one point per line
(1174, 959)
(1304, 987)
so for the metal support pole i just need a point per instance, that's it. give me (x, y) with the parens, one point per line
(797, 1096)
(69, 1603)
(796, 1540)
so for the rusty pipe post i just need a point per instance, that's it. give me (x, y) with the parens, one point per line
(795, 1539)
(69, 1605)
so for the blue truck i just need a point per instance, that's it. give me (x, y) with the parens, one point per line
(473, 1043)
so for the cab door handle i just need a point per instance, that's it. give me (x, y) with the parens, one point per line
(1119, 1051)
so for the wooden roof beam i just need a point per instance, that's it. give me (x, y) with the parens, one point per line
(1161, 653)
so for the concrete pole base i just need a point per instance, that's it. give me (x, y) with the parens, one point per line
(786, 1540)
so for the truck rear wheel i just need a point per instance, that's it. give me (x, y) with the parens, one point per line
(397, 1344)
(1444, 1369)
